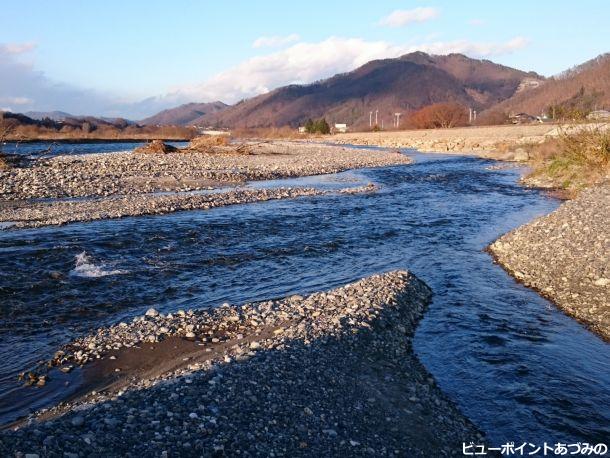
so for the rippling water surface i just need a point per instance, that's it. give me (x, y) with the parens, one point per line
(37, 149)
(520, 369)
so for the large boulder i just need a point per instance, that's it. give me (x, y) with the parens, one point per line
(156, 147)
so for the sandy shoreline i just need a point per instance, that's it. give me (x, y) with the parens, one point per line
(333, 372)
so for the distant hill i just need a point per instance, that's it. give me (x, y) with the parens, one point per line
(54, 115)
(23, 127)
(395, 85)
(69, 119)
(587, 84)
(185, 115)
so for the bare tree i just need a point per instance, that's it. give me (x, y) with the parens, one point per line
(439, 115)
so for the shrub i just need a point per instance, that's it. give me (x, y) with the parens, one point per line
(576, 107)
(207, 143)
(309, 126)
(575, 159)
(438, 115)
(5, 130)
(492, 118)
(284, 132)
(319, 126)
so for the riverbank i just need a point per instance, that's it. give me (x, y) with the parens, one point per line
(96, 175)
(330, 373)
(566, 257)
(492, 142)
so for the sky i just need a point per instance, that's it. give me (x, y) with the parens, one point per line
(132, 58)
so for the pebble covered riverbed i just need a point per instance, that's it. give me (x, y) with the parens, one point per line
(334, 375)
(36, 214)
(127, 173)
(566, 256)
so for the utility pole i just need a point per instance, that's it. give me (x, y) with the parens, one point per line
(376, 112)
(370, 119)
(397, 120)
(474, 115)
(470, 115)
(382, 124)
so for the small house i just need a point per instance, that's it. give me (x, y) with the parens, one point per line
(341, 128)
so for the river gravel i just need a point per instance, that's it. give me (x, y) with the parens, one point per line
(127, 173)
(334, 375)
(566, 256)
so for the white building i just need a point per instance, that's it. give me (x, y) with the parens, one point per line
(341, 128)
(599, 115)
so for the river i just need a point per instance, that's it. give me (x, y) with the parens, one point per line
(513, 363)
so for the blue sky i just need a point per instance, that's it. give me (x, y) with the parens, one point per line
(132, 58)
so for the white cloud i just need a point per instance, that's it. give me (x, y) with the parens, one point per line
(400, 18)
(17, 100)
(275, 41)
(473, 49)
(16, 48)
(300, 63)
(23, 88)
(308, 62)
(476, 22)
(22, 85)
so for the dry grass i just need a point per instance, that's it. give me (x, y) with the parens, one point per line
(269, 133)
(5, 131)
(208, 141)
(573, 161)
(155, 147)
(68, 133)
(216, 144)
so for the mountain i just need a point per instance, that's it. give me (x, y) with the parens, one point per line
(185, 115)
(68, 121)
(395, 85)
(54, 115)
(585, 86)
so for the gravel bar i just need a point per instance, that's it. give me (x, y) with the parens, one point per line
(126, 173)
(37, 214)
(330, 374)
(566, 257)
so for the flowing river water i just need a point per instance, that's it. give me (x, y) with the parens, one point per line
(513, 363)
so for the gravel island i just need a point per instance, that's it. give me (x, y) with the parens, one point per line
(330, 374)
(100, 175)
(57, 212)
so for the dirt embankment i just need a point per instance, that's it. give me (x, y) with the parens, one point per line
(333, 373)
(494, 142)
(566, 256)
(481, 141)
